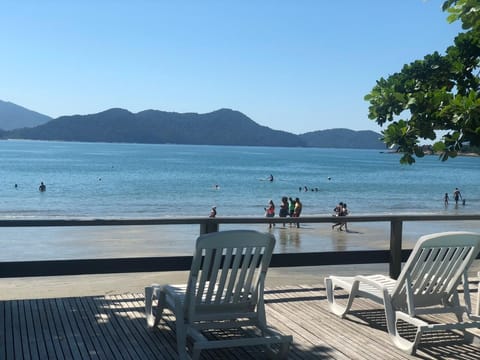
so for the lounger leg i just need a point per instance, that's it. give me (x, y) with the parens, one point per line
(283, 351)
(392, 320)
(181, 331)
(196, 353)
(459, 313)
(334, 307)
(148, 305)
(261, 316)
(153, 316)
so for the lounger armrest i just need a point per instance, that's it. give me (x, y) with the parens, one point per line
(367, 280)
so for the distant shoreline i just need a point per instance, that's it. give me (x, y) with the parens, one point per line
(470, 154)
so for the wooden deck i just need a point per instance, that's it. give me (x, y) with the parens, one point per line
(113, 327)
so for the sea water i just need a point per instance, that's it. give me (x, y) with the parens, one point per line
(121, 181)
(103, 180)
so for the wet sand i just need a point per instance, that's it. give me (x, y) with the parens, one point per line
(137, 241)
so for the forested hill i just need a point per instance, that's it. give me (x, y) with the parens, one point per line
(221, 127)
(343, 138)
(13, 116)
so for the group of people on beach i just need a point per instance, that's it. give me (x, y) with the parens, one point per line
(340, 210)
(288, 207)
(457, 196)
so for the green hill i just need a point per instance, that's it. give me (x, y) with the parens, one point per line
(221, 127)
(343, 138)
(13, 116)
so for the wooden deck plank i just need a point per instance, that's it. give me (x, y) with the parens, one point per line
(23, 325)
(56, 327)
(73, 315)
(311, 318)
(3, 334)
(131, 311)
(134, 309)
(116, 327)
(7, 341)
(280, 317)
(35, 349)
(91, 332)
(45, 333)
(17, 337)
(113, 327)
(70, 333)
(116, 347)
(317, 319)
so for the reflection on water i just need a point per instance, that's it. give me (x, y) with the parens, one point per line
(339, 240)
(288, 240)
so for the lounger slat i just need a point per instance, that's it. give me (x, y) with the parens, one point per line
(200, 286)
(240, 284)
(212, 281)
(253, 271)
(233, 275)
(223, 278)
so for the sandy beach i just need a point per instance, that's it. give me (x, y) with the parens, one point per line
(137, 241)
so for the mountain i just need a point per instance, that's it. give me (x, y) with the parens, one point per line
(221, 127)
(343, 138)
(13, 116)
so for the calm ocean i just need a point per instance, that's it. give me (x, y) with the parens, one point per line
(98, 180)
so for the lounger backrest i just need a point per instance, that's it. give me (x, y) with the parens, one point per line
(228, 272)
(434, 269)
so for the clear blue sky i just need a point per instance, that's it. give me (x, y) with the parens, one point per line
(293, 65)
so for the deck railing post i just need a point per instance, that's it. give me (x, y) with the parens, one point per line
(208, 227)
(395, 248)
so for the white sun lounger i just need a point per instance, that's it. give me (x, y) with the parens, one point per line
(427, 285)
(224, 291)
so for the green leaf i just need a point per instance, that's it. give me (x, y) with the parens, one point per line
(439, 146)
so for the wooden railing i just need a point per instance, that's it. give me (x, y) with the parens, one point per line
(395, 256)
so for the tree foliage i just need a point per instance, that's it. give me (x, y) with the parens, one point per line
(438, 93)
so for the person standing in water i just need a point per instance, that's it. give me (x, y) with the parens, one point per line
(457, 196)
(337, 212)
(298, 209)
(42, 187)
(291, 207)
(270, 212)
(344, 213)
(283, 208)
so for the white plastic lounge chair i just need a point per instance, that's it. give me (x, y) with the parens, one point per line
(224, 291)
(427, 284)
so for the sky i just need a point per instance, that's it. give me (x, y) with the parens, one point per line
(292, 65)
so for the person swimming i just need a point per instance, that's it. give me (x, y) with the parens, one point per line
(42, 187)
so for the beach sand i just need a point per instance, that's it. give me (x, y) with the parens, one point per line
(137, 241)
